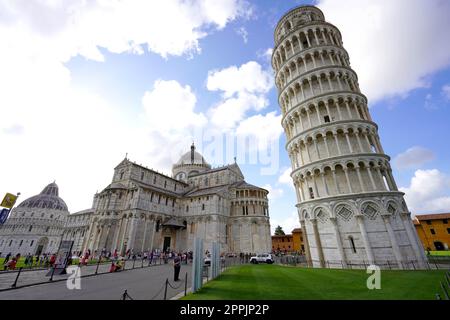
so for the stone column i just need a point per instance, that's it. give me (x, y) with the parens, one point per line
(339, 241)
(325, 184)
(348, 141)
(361, 183)
(394, 244)
(348, 180)
(314, 141)
(362, 229)
(117, 234)
(336, 184)
(337, 143)
(313, 177)
(145, 235)
(326, 145)
(305, 238)
(369, 170)
(413, 239)
(318, 243)
(358, 138)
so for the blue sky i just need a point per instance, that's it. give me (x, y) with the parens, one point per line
(84, 83)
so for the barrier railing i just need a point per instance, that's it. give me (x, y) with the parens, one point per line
(40, 276)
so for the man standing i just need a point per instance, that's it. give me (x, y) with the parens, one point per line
(176, 267)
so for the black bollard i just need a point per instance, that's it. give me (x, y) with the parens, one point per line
(53, 271)
(17, 278)
(98, 263)
(165, 289)
(185, 284)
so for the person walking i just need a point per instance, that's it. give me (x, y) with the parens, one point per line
(7, 258)
(176, 267)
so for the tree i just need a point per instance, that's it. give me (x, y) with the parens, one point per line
(279, 231)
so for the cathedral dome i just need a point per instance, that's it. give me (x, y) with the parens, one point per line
(191, 157)
(190, 163)
(48, 198)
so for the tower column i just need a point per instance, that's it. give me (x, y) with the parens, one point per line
(305, 238)
(339, 241)
(394, 244)
(362, 229)
(318, 243)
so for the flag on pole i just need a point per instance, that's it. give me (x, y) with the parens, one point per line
(8, 201)
(4, 213)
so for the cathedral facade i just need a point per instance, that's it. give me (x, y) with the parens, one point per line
(143, 210)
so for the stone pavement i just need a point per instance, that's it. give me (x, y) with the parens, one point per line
(141, 284)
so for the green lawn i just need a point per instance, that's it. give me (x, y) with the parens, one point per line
(260, 282)
(21, 261)
(440, 253)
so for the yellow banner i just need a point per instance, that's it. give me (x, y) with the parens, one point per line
(8, 201)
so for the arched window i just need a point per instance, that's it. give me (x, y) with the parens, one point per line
(203, 206)
(352, 243)
(30, 228)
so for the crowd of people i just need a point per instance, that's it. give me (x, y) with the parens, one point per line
(30, 261)
(117, 260)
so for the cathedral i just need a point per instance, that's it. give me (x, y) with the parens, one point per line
(143, 210)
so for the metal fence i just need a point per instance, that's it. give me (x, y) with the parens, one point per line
(301, 261)
(24, 277)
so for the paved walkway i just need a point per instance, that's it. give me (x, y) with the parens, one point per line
(141, 284)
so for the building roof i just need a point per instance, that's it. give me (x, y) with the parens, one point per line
(280, 236)
(47, 199)
(245, 185)
(85, 211)
(297, 230)
(435, 216)
(206, 191)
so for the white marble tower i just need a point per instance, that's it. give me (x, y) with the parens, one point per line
(348, 201)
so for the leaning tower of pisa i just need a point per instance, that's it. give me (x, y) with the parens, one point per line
(348, 202)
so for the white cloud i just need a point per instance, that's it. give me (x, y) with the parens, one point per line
(264, 129)
(56, 131)
(243, 88)
(243, 33)
(285, 177)
(171, 114)
(393, 45)
(414, 157)
(266, 54)
(428, 192)
(429, 103)
(287, 222)
(446, 91)
(229, 112)
(248, 78)
(67, 28)
(274, 193)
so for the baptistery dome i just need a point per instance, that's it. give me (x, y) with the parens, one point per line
(48, 198)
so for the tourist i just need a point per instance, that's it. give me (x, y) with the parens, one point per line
(7, 258)
(176, 267)
(11, 265)
(52, 260)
